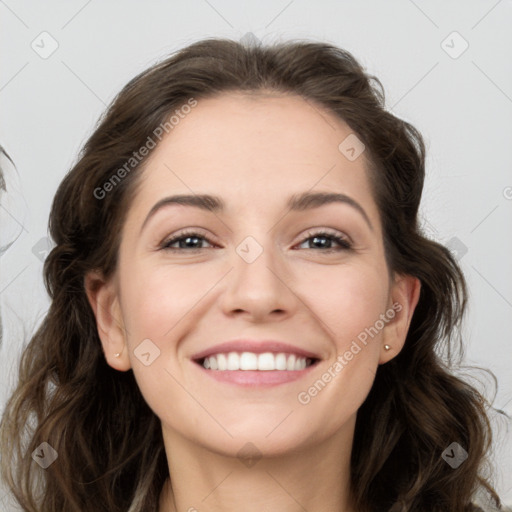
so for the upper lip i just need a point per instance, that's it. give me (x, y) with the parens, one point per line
(256, 346)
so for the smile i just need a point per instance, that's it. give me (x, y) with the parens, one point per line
(266, 361)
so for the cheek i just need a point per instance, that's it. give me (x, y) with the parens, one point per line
(348, 300)
(155, 299)
(350, 307)
(162, 303)
(158, 305)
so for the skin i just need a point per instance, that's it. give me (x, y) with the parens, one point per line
(254, 151)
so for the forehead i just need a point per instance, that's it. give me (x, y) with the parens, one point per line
(253, 148)
(237, 126)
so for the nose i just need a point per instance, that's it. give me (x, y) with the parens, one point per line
(260, 289)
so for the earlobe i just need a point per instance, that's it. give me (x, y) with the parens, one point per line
(103, 298)
(405, 294)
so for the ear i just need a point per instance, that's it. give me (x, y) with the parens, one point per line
(404, 296)
(104, 301)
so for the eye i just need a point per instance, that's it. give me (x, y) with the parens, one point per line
(192, 240)
(188, 239)
(318, 237)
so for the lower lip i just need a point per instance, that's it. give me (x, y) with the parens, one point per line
(257, 377)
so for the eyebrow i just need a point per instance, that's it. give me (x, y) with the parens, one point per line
(297, 202)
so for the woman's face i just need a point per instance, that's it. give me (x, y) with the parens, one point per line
(263, 268)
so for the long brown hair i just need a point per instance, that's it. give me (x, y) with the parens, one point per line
(109, 442)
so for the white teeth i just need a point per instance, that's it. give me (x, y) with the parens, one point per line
(300, 364)
(266, 361)
(248, 361)
(222, 362)
(233, 361)
(251, 361)
(214, 365)
(280, 362)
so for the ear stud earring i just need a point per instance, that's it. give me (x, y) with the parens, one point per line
(386, 347)
(117, 354)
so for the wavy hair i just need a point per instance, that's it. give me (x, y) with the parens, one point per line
(110, 449)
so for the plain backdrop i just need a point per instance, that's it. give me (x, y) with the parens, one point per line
(446, 68)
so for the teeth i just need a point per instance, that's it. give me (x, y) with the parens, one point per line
(280, 362)
(248, 361)
(251, 361)
(222, 362)
(233, 361)
(266, 361)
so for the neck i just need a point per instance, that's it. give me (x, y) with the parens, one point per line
(315, 479)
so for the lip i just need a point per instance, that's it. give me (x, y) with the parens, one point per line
(255, 346)
(256, 379)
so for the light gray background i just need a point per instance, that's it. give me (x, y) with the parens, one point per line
(462, 106)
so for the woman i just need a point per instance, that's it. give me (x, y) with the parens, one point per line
(203, 349)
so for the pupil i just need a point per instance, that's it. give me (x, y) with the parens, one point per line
(186, 240)
(316, 238)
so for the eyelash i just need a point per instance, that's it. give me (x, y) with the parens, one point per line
(344, 243)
